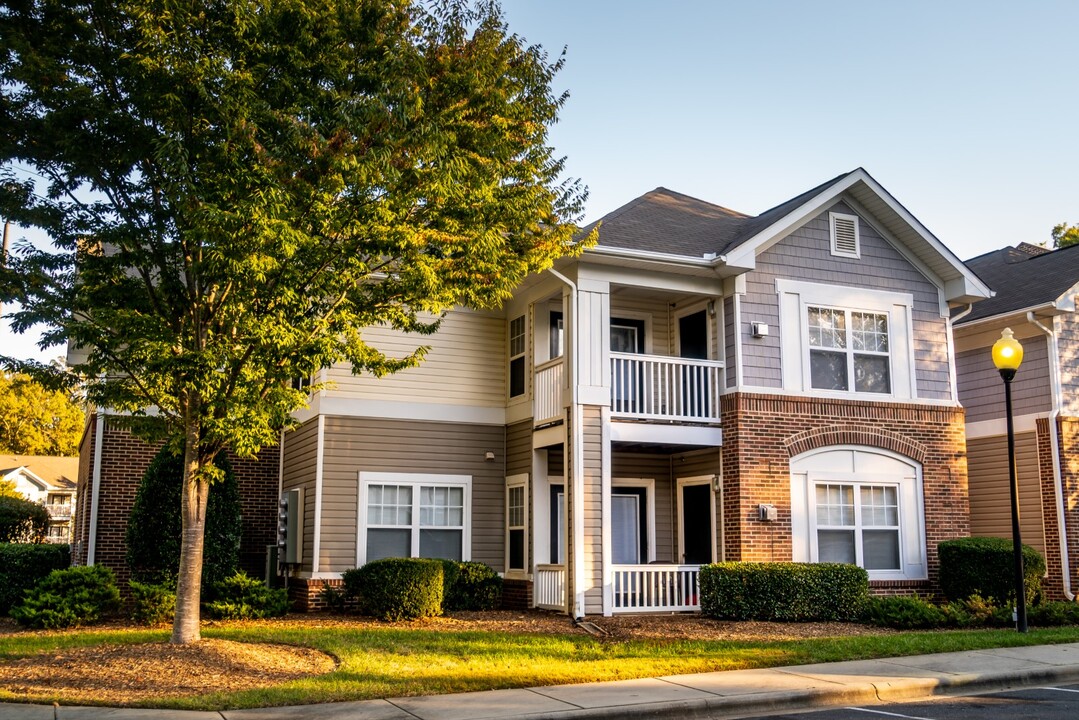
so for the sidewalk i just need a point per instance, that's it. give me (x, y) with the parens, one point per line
(679, 697)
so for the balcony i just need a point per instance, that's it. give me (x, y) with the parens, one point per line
(656, 588)
(656, 387)
(547, 393)
(59, 512)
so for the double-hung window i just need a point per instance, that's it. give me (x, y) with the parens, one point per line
(517, 523)
(406, 515)
(517, 356)
(848, 350)
(858, 523)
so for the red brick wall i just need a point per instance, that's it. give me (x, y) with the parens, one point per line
(124, 459)
(517, 594)
(762, 432)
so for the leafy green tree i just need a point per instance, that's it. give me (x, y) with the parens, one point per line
(22, 521)
(35, 420)
(1065, 235)
(8, 489)
(244, 185)
(154, 528)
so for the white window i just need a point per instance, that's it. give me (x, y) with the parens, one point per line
(517, 523)
(859, 505)
(517, 347)
(409, 515)
(848, 350)
(844, 235)
(842, 341)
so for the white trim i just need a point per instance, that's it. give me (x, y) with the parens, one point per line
(415, 480)
(837, 395)
(358, 406)
(548, 436)
(649, 485)
(666, 434)
(1002, 317)
(709, 327)
(541, 508)
(833, 247)
(680, 483)
(320, 449)
(95, 493)
(644, 317)
(514, 481)
(739, 356)
(999, 426)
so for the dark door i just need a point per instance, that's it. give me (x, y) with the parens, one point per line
(696, 524)
(693, 344)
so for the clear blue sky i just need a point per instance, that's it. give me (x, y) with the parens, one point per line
(968, 112)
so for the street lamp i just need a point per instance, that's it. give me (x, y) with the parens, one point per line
(1007, 356)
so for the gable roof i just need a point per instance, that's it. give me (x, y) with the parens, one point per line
(60, 473)
(1023, 277)
(669, 224)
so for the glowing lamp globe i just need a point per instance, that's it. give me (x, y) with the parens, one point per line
(1007, 352)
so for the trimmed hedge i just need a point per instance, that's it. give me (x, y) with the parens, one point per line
(152, 604)
(476, 587)
(69, 598)
(24, 566)
(904, 612)
(783, 591)
(983, 566)
(241, 597)
(397, 588)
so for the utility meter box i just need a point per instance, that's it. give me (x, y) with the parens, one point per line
(290, 527)
(768, 513)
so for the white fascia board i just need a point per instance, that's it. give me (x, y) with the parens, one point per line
(705, 261)
(1020, 315)
(666, 434)
(636, 277)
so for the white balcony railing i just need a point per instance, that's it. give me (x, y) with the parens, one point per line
(59, 512)
(550, 587)
(654, 387)
(547, 392)
(656, 588)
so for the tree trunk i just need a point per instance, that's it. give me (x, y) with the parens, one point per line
(196, 491)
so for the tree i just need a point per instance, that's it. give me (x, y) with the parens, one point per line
(1065, 235)
(35, 420)
(22, 521)
(8, 489)
(154, 527)
(244, 185)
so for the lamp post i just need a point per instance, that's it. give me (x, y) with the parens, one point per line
(1007, 356)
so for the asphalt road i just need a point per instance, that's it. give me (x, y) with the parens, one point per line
(1042, 703)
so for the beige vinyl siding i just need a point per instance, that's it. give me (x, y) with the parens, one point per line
(298, 471)
(466, 364)
(806, 255)
(519, 448)
(353, 445)
(658, 468)
(593, 510)
(981, 391)
(990, 495)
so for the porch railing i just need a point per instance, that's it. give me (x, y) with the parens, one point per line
(59, 512)
(547, 393)
(655, 387)
(656, 588)
(549, 587)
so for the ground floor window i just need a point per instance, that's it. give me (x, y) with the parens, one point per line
(413, 515)
(862, 506)
(516, 523)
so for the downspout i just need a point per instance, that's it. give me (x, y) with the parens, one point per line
(951, 350)
(1054, 439)
(577, 442)
(95, 492)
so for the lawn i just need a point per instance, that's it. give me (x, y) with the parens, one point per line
(394, 661)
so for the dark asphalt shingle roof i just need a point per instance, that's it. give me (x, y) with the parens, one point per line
(1023, 276)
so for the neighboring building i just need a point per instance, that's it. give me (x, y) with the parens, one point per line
(47, 480)
(1035, 297)
(702, 385)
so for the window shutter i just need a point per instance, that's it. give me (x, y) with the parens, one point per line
(845, 235)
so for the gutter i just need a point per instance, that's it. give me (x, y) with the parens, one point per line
(1018, 313)
(708, 260)
(577, 471)
(1054, 438)
(951, 350)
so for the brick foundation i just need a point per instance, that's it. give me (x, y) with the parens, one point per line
(1069, 448)
(124, 459)
(516, 594)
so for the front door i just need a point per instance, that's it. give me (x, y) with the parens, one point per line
(697, 532)
(693, 344)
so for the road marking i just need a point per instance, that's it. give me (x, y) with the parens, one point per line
(889, 714)
(1061, 689)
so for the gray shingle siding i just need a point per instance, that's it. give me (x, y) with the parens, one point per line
(980, 389)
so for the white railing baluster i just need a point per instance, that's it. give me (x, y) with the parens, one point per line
(663, 388)
(550, 587)
(654, 588)
(547, 392)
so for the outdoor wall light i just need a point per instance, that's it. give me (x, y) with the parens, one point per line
(488, 455)
(1007, 356)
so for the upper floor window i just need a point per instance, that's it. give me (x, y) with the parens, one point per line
(848, 349)
(844, 235)
(517, 356)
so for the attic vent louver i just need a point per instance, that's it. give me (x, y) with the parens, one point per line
(845, 235)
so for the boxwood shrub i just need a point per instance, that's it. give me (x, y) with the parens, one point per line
(984, 566)
(240, 597)
(152, 604)
(397, 588)
(23, 566)
(69, 598)
(904, 612)
(783, 591)
(477, 587)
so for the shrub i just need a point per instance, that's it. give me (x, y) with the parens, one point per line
(397, 588)
(983, 566)
(783, 591)
(153, 604)
(22, 521)
(477, 587)
(154, 528)
(904, 613)
(1054, 613)
(451, 570)
(69, 598)
(23, 566)
(974, 611)
(240, 597)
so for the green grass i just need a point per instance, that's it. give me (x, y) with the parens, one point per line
(394, 662)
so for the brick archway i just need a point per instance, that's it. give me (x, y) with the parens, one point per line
(803, 442)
